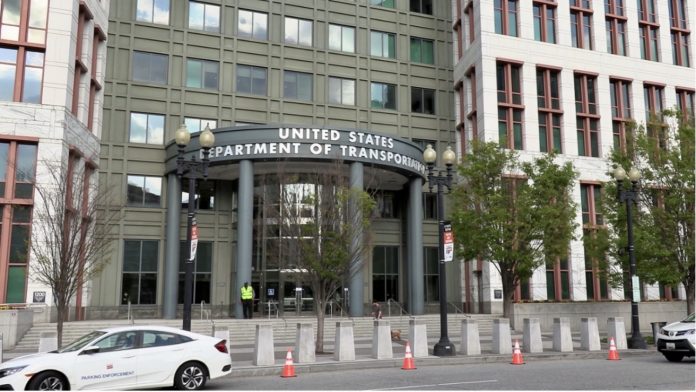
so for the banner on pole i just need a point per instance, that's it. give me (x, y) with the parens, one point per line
(194, 239)
(447, 241)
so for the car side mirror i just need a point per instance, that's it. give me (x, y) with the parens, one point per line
(90, 350)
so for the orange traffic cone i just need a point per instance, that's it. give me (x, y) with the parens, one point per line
(289, 368)
(517, 355)
(613, 352)
(409, 364)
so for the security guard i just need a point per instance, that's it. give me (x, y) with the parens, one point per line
(247, 300)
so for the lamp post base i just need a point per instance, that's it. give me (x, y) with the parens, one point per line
(636, 341)
(444, 348)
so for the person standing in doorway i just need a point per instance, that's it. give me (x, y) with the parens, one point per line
(247, 300)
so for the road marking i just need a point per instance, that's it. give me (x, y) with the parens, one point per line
(437, 385)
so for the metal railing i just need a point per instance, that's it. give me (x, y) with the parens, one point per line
(402, 311)
(205, 312)
(456, 308)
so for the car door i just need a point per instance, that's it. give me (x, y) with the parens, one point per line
(161, 354)
(114, 366)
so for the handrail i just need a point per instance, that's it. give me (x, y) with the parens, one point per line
(207, 314)
(456, 309)
(401, 308)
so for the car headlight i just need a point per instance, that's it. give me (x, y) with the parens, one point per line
(9, 371)
(662, 331)
(690, 332)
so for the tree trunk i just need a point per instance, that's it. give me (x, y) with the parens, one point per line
(689, 298)
(508, 291)
(319, 349)
(59, 322)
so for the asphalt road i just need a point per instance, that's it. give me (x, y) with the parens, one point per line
(645, 372)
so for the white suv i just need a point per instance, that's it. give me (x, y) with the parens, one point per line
(677, 340)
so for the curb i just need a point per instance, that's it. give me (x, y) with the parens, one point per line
(369, 363)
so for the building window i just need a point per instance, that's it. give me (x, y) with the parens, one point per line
(653, 96)
(432, 274)
(471, 116)
(421, 6)
(17, 178)
(150, 67)
(649, 30)
(422, 51)
(685, 101)
(297, 85)
(153, 11)
(422, 100)
(98, 53)
(198, 124)
(587, 117)
(550, 113)
(506, 17)
(581, 24)
(144, 191)
(202, 74)
(595, 275)
(616, 26)
(458, 30)
(146, 128)
(385, 206)
(341, 91)
(545, 21)
(620, 91)
(139, 280)
(557, 280)
(202, 272)
(298, 31)
(253, 25)
(382, 96)
(204, 17)
(251, 80)
(342, 38)
(21, 79)
(510, 108)
(382, 44)
(429, 206)
(470, 21)
(680, 48)
(385, 273)
(383, 3)
(205, 195)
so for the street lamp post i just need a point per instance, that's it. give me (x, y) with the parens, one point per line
(630, 196)
(436, 178)
(192, 169)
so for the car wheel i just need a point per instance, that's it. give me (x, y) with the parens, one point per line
(673, 357)
(190, 376)
(48, 381)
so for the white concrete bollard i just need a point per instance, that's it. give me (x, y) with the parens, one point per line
(48, 341)
(304, 343)
(381, 340)
(617, 329)
(264, 352)
(531, 336)
(589, 334)
(471, 342)
(502, 339)
(562, 338)
(418, 338)
(344, 343)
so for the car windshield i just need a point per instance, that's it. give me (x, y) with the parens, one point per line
(689, 319)
(81, 342)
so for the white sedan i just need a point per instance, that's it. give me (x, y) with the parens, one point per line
(132, 357)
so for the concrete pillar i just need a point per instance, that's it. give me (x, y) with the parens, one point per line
(414, 222)
(502, 339)
(344, 343)
(171, 247)
(531, 337)
(589, 334)
(617, 329)
(264, 352)
(48, 341)
(305, 345)
(562, 338)
(358, 266)
(381, 340)
(245, 228)
(471, 341)
(418, 338)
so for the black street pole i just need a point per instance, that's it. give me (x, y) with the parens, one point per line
(188, 264)
(444, 347)
(630, 197)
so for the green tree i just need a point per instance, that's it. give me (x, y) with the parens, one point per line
(516, 215)
(663, 220)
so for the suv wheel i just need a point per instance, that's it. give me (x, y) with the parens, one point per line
(673, 357)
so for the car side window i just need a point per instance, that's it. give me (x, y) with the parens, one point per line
(157, 338)
(118, 341)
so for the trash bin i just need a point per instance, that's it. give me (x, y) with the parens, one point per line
(656, 325)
